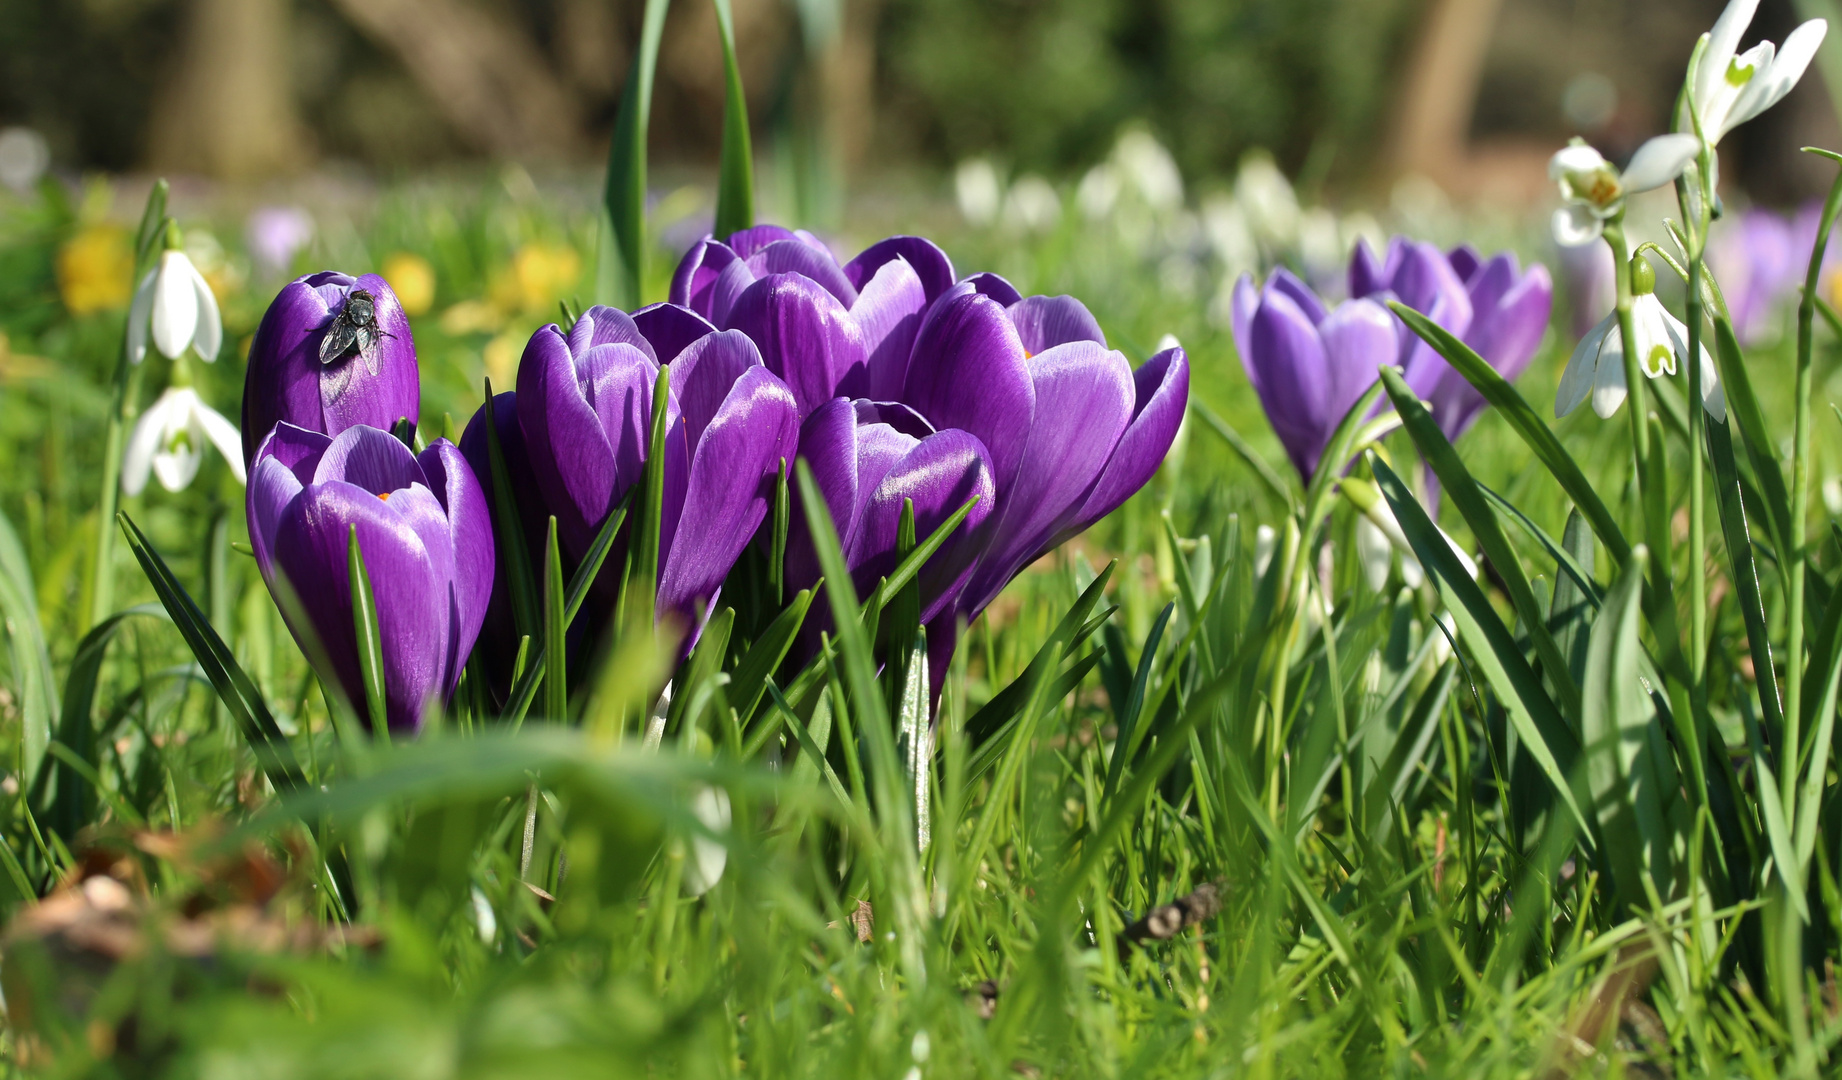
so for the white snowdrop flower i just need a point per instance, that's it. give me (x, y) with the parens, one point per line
(177, 308)
(1832, 495)
(1597, 367)
(1098, 192)
(979, 191)
(24, 157)
(1230, 236)
(483, 918)
(169, 442)
(1150, 169)
(1320, 242)
(1729, 87)
(1168, 341)
(1266, 196)
(1032, 206)
(708, 857)
(1378, 513)
(1593, 191)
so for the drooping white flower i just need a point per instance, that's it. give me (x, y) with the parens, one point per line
(1593, 191)
(169, 442)
(1597, 367)
(1730, 87)
(708, 856)
(175, 306)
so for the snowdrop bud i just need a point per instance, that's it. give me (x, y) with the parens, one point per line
(978, 190)
(708, 857)
(1643, 277)
(1375, 553)
(1264, 541)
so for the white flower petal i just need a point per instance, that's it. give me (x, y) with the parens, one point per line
(149, 432)
(177, 468)
(1713, 394)
(223, 435)
(708, 856)
(1723, 43)
(1660, 161)
(1657, 341)
(1375, 554)
(1574, 158)
(1609, 377)
(138, 315)
(1770, 86)
(1577, 379)
(210, 336)
(175, 305)
(1576, 224)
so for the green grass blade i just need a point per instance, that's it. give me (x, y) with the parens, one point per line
(625, 195)
(508, 530)
(906, 570)
(750, 676)
(1492, 648)
(1464, 493)
(1337, 452)
(72, 807)
(1127, 719)
(1733, 521)
(1264, 472)
(556, 629)
(233, 687)
(33, 681)
(735, 184)
(370, 640)
(584, 577)
(1511, 406)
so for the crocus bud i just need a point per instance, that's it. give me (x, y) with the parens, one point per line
(333, 352)
(424, 530)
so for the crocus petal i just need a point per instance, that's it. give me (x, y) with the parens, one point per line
(209, 337)
(704, 374)
(746, 242)
(697, 273)
(1294, 382)
(1243, 303)
(601, 325)
(1084, 399)
(1582, 366)
(462, 498)
(989, 284)
(828, 443)
(1044, 322)
(371, 459)
(806, 337)
(570, 454)
(1369, 273)
(175, 305)
(731, 485)
(670, 329)
(1359, 337)
(1659, 161)
(798, 257)
(272, 486)
(349, 393)
(282, 382)
(930, 264)
(939, 475)
(888, 312)
(1161, 395)
(413, 607)
(1301, 294)
(139, 314)
(1575, 224)
(968, 372)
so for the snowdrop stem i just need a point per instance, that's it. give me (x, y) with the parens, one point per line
(1698, 537)
(121, 416)
(1800, 480)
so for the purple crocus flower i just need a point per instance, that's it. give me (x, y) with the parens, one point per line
(584, 406)
(1756, 260)
(825, 329)
(498, 643)
(275, 234)
(1309, 364)
(424, 530)
(1587, 271)
(374, 385)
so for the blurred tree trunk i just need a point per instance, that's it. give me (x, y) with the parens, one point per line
(485, 74)
(1441, 87)
(228, 111)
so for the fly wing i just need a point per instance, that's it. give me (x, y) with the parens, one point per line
(338, 339)
(367, 346)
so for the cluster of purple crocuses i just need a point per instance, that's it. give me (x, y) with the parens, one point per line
(1310, 363)
(895, 379)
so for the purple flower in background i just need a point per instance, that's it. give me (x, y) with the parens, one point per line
(372, 381)
(424, 530)
(1755, 258)
(1309, 364)
(1509, 316)
(275, 234)
(584, 406)
(1803, 242)
(1586, 271)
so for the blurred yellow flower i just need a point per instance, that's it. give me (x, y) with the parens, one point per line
(413, 280)
(95, 270)
(537, 279)
(501, 356)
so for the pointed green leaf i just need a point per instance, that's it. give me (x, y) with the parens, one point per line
(625, 195)
(735, 185)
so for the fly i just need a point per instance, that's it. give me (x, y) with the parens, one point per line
(355, 327)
